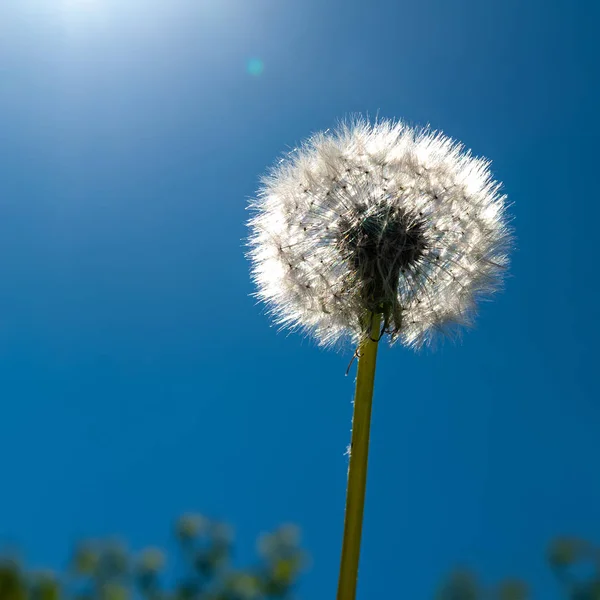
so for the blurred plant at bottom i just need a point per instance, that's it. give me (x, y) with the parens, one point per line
(201, 570)
(574, 562)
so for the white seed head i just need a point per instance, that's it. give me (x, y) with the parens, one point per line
(378, 217)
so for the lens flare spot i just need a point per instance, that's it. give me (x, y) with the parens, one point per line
(255, 67)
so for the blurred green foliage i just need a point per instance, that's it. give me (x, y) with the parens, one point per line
(574, 562)
(202, 569)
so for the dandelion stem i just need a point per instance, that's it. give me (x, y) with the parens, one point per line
(357, 470)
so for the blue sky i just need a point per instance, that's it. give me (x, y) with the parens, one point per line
(139, 380)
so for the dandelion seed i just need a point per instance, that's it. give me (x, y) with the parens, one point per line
(378, 218)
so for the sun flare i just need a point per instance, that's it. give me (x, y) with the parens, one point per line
(79, 16)
(80, 6)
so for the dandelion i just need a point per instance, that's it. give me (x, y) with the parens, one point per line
(376, 229)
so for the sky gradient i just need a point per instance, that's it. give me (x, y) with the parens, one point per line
(139, 379)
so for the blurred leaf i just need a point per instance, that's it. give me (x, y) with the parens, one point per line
(285, 570)
(461, 586)
(565, 551)
(243, 586)
(114, 591)
(190, 527)
(513, 590)
(85, 560)
(186, 590)
(588, 592)
(45, 587)
(151, 560)
(11, 584)
(114, 560)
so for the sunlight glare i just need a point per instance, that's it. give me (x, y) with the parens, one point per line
(79, 3)
(80, 15)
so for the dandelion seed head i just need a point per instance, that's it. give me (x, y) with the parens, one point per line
(378, 217)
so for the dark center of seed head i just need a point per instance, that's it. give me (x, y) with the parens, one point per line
(382, 247)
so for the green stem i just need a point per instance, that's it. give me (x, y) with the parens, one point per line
(357, 470)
